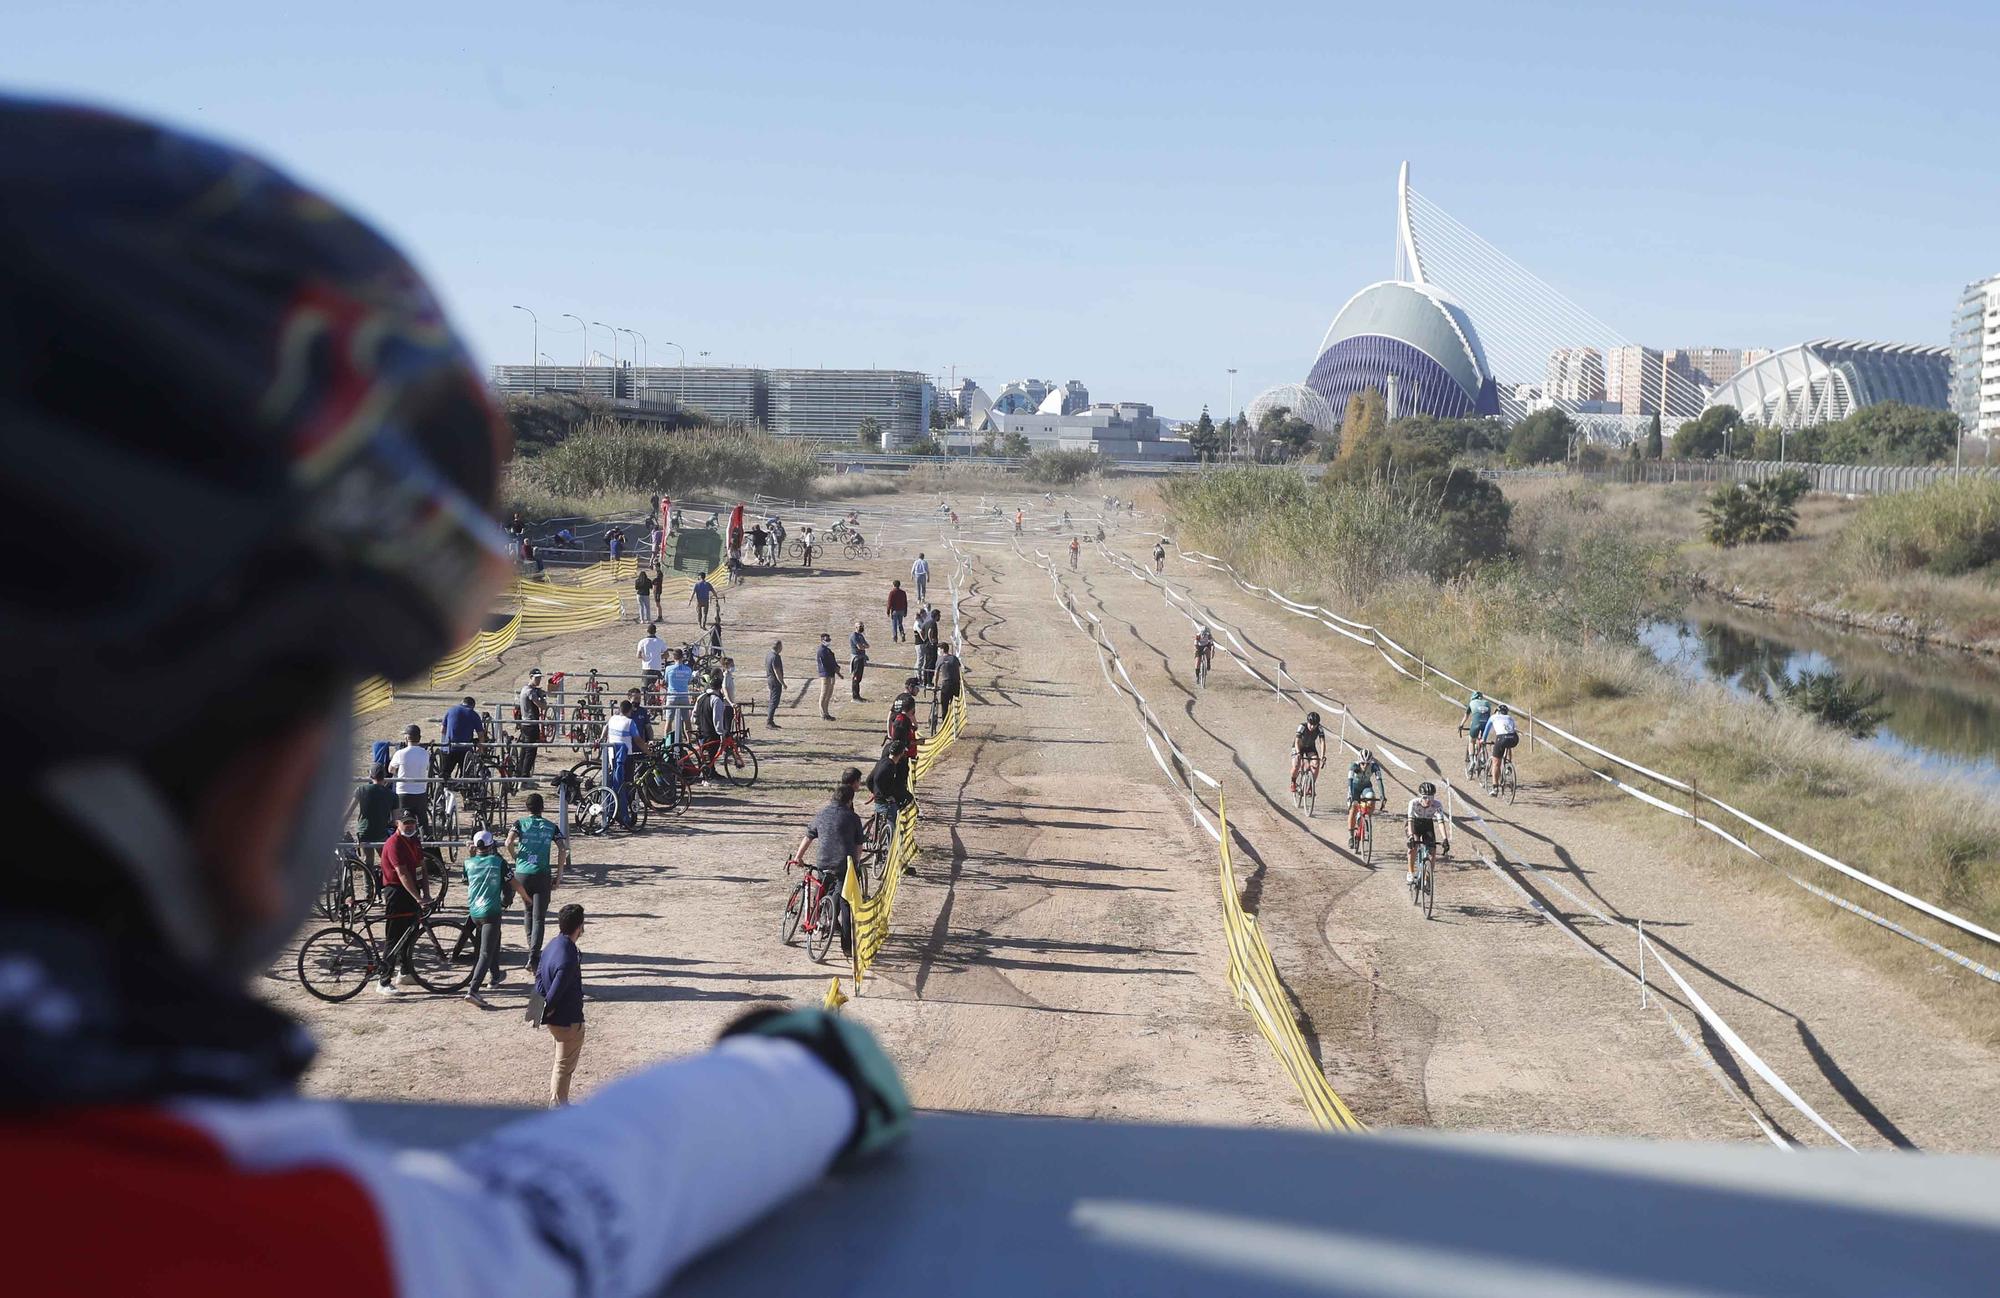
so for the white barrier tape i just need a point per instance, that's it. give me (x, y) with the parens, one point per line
(1860, 876)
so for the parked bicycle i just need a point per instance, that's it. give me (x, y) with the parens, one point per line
(337, 962)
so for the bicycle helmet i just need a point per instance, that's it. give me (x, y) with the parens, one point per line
(1312, 718)
(1504, 710)
(1427, 789)
(245, 416)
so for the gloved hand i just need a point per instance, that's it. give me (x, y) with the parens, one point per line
(882, 1108)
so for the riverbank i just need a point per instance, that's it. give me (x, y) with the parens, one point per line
(1816, 574)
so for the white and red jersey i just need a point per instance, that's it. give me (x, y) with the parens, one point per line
(215, 1198)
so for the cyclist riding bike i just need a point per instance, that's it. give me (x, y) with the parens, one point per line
(1160, 557)
(1501, 734)
(1428, 824)
(1477, 709)
(1072, 552)
(285, 377)
(1204, 650)
(1308, 745)
(1364, 794)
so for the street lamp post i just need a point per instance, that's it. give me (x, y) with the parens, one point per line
(615, 375)
(585, 329)
(1230, 413)
(682, 387)
(647, 354)
(535, 350)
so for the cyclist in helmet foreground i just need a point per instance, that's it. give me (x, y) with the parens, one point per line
(285, 376)
(1428, 824)
(1308, 745)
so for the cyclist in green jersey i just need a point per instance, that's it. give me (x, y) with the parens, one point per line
(534, 840)
(486, 881)
(1361, 792)
(1477, 709)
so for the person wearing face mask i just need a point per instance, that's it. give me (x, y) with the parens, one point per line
(287, 378)
(404, 891)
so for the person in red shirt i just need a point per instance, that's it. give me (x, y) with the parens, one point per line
(404, 892)
(899, 608)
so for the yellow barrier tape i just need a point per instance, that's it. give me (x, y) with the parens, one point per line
(1254, 979)
(372, 695)
(483, 647)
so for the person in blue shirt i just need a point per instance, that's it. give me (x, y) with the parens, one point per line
(680, 695)
(463, 727)
(699, 597)
(559, 982)
(487, 879)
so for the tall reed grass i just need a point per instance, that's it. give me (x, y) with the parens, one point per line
(607, 457)
(1946, 529)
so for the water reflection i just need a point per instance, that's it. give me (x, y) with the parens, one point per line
(1943, 708)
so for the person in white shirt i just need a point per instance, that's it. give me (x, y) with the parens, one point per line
(1501, 734)
(621, 740)
(652, 654)
(1428, 824)
(921, 571)
(410, 766)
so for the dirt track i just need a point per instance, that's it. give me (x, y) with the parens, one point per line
(1060, 952)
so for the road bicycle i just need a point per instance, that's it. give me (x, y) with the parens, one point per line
(1423, 884)
(1475, 758)
(730, 757)
(594, 803)
(1203, 664)
(878, 836)
(1505, 782)
(856, 548)
(351, 888)
(1361, 832)
(337, 962)
(814, 908)
(1305, 786)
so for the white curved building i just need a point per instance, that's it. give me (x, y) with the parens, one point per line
(1412, 343)
(1304, 402)
(1830, 378)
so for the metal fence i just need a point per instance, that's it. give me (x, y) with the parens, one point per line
(1842, 479)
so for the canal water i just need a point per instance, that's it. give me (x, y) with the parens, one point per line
(1943, 708)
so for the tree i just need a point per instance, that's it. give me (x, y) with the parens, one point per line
(1753, 513)
(1366, 417)
(1541, 438)
(1705, 437)
(926, 446)
(1832, 699)
(1204, 437)
(939, 419)
(1016, 445)
(869, 435)
(1892, 433)
(1289, 435)
(1654, 447)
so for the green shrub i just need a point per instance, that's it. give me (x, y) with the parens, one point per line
(606, 457)
(1946, 529)
(1750, 513)
(1065, 467)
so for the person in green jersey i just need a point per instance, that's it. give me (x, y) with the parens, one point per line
(486, 879)
(541, 854)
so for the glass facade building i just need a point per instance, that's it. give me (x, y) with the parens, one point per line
(1412, 344)
(1975, 358)
(1830, 378)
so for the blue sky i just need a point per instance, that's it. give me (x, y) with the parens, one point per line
(1137, 195)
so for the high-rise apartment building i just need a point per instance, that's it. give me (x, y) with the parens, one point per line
(1632, 379)
(1975, 358)
(1575, 374)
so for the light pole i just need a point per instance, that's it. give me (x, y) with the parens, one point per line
(614, 340)
(585, 329)
(545, 356)
(535, 350)
(642, 342)
(683, 385)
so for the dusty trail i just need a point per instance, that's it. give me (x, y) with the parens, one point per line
(1866, 1054)
(1057, 952)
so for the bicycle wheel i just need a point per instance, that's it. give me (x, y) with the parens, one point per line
(1430, 882)
(1513, 781)
(738, 764)
(795, 909)
(442, 953)
(598, 809)
(826, 922)
(361, 887)
(336, 963)
(1368, 839)
(1311, 790)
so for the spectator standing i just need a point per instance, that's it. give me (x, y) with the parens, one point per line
(806, 546)
(410, 765)
(559, 982)
(699, 597)
(728, 678)
(857, 659)
(404, 890)
(680, 694)
(921, 571)
(487, 882)
(774, 682)
(652, 654)
(541, 854)
(927, 646)
(949, 679)
(374, 808)
(463, 727)
(643, 584)
(899, 608)
(614, 543)
(531, 708)
(829, 672)
(621, 740)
